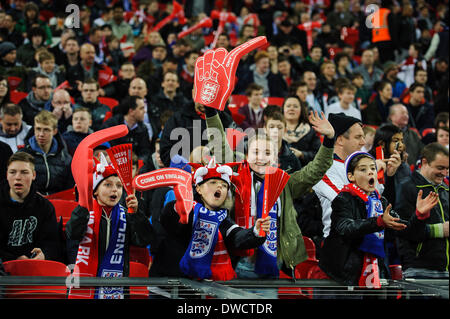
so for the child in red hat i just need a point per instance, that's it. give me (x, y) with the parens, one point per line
(106, 233)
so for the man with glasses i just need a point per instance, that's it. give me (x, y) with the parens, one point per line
(34, 102)
(425, 254)
(52, 159)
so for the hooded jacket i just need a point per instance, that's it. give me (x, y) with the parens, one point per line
(27, 225)
(53, 170)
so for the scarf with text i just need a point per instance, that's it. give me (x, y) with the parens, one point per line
(86, 264)
(198, 258)
(266, 255)
(113, 261)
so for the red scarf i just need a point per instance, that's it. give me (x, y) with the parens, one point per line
(242, 201)
(370, 275)
(86, 264)
(221, 268)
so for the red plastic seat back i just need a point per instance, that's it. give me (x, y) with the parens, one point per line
(17, 96)
(68, 194)
(13, 82)
(63, 208)
(138, 270)
(112, 103)
(310, 247)
(32, 267)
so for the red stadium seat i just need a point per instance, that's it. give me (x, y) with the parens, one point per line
(237, 117)
(234, 137)
(63, 208)
(271, 100)
(310, 248)
(68, 194)
(13, 82)
(17, 96)
(238, 100)
(32, 267)
(138, 270)
(112, 103)
(140, 255)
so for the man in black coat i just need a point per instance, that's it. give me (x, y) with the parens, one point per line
(426, 254)
(131, 112)
(184, 131)
(28, 227)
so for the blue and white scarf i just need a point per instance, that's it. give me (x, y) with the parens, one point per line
(266, 254)
(113, 261)
(374, 243)
(196, 261)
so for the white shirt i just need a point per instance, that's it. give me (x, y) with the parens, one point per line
(337, 108)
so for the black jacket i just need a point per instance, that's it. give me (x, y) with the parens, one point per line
(27, 225)
(53, 170)
(277, 85)
(180, 235)
(139, 232)
(420, 249)
(309, 145)
(160, 103)
(340, 257)
(189, 122)
(138, 137)
(287, 159)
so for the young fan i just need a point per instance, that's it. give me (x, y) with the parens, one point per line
(360, 215)
(285, 249)
(210, 232)
(106, 234)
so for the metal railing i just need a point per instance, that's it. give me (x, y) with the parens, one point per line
(183, 288)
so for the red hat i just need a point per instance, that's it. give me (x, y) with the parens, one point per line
(203, 173)
(102, 171)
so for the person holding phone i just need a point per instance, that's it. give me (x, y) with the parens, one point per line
(395, 167)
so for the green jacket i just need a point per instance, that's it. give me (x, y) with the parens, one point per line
(291, 248)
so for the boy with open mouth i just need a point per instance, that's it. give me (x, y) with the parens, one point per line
(354, 251)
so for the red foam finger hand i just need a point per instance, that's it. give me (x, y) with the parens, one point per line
(215, 71)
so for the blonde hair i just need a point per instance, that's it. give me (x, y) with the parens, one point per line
(47, 118)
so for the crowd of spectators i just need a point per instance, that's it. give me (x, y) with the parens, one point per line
(60, 81)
